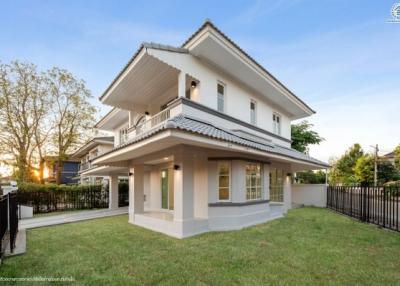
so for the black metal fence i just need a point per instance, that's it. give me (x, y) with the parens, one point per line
(8, 221)
(45, 201)
(377, 205)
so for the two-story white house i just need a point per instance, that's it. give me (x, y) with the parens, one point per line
(204, 132)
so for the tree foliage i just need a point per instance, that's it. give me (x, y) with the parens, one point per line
(397, 157)
(73, 115)
(342, 171)
(303, 136)
(22, 108)
(364, 169)
(36, 107)
(311, 177)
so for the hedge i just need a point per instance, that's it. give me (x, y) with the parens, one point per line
(49, 198)
(31, 187)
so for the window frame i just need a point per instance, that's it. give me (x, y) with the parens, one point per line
(252, 101)
(229, 181)
(276, 186)
(123, 135)
(223, 96)
(277, 124)
(248, 195)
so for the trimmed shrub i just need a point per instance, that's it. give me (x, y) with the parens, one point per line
(31, 187)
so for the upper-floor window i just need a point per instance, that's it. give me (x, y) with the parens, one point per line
(224, 170)
(253, 181)
(253, 112)
(221, 97)
(123, 135)
(277, 123)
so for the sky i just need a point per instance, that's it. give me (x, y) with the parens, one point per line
(341, 57)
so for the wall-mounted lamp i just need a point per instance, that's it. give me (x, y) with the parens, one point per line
(289, 174)
(146, 113)
(177, 167)
(193, 84)
(130, 174)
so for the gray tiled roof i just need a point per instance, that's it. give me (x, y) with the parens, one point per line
(193, 125)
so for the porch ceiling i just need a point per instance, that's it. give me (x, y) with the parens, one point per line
(146, 78)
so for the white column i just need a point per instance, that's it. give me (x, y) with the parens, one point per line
(238, 181)
(136, 191)
(183, 187)
(181, 84)
(287, 191)
(113, 192)
(131, 117)
(266, 181)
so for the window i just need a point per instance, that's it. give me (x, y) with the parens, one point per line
(276, 185)
(224, 170)
(123, 135)
(253, 112)
(221, 97)
(253, 181)
(277, 123)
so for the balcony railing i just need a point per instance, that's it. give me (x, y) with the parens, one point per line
(85, 166)
(147, 125)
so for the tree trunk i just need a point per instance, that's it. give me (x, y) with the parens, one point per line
(59, 170)
(41, 170)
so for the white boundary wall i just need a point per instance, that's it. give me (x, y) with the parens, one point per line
(309, 194)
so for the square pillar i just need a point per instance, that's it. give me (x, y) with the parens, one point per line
(181, 84)
(183, 187)
(136, 191)
(113, 192)
(287, 191)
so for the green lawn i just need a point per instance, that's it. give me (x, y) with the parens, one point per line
(309, 246)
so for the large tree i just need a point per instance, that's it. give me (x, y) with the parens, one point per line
(397, 157)
(22, 96)
(364, 169)
(303, 136)
(342, 171)
(73, 114)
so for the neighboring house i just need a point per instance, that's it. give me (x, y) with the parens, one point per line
(204, 132)
(88, 172)
(69, 170)
(389, 157)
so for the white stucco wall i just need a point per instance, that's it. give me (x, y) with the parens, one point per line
(309, 194)
(238, 96)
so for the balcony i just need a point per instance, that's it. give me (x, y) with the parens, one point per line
(150, 123)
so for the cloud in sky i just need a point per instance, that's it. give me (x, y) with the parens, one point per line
(341, 57)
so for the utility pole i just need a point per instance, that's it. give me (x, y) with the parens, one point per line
(376, 165)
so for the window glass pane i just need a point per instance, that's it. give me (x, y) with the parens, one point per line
(221, 89)
(224, 193)
(223, 168)
(276, 185)
(220, 103)
(253, 181)
(224, 181)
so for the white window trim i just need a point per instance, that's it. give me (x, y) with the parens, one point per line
(279, 131)
(230, 181)
(225, 97)
(255, 112)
